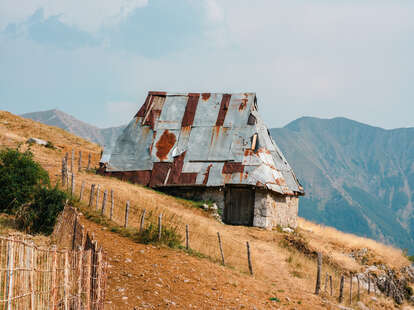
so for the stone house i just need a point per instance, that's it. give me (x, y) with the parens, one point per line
(209, 146)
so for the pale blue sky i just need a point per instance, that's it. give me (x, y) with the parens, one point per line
(96, 59)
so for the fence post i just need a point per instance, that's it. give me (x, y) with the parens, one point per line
(54, 262)
(330, 284)
(81, 191)
(89, 162)
(75, 227)
(358, 296)
(80, 274)
(341, 289)
(71, 160)
(369, 285)
(111, 213)
(221, 249)
(350, 289)
(98, 278)
(318, 275)
(91, 195)
(126, 214)
(141, 225)
(72, 190)
(187, 241)
(249, 261)
(66, 281)
(80, 161)
(326, 282)
(159, 227)
(63, 172)
(32, 276)
(104, 202)
(88, 268)
(10, 273)
(97, 196)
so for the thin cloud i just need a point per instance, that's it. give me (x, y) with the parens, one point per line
(86, 15)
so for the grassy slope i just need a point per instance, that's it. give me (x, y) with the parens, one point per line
(279, 269)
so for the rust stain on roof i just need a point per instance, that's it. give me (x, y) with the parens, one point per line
(177, 168)
(187, 178)
(243, 104)
(165, 144)
(205, 96)
(143, 110)
(190, 110)
(232, 167)
(206, 174)
(225, 101)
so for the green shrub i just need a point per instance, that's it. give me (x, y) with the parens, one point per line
(40, 215)
(169, 236)
(20, 178)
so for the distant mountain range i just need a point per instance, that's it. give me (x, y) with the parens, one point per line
(357, 178)
(105, 137)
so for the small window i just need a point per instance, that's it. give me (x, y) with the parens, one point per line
(252, 120)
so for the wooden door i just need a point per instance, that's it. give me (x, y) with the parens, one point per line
(239, 206)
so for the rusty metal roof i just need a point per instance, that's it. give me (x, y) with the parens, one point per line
(205, 139)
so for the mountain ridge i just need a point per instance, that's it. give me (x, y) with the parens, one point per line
(363, 173)
(54, 117)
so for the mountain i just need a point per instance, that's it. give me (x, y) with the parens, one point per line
(357, 178)
(105, 137)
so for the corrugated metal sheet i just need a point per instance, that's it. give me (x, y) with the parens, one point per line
(201, 139)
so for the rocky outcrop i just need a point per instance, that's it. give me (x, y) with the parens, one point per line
(390, 283)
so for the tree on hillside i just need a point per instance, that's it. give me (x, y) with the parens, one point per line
(20, 177)
(25, 192)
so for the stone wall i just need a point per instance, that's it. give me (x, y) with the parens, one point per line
(273, 210)
(270, 209)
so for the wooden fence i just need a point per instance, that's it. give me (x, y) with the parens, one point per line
(33, 277)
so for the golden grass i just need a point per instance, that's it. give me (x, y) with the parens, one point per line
(330, 240)
(273, 261)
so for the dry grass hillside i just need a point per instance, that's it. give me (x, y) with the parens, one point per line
(284, 264)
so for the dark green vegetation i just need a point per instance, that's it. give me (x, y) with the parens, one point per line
(357, 178)
(40, 215)
(25, 192)
(20, 178)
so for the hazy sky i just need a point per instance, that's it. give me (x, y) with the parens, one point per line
(96, 59)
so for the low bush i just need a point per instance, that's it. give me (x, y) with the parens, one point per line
(169, 236)
(26, 193)
(20, 178)
(40, 215)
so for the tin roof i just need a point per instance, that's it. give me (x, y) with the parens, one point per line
(206, 139)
